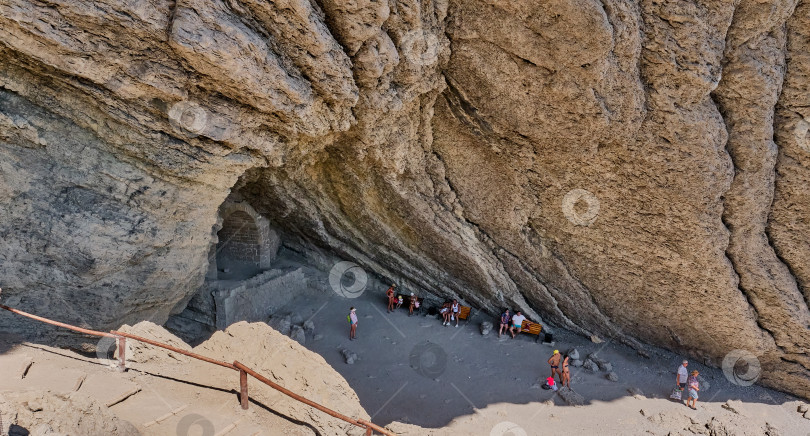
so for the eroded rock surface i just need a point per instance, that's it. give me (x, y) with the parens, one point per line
(601, 165)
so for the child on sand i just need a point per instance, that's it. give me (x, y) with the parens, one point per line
(353, 321)
(400, 300)
(550, 383)
(391, 299)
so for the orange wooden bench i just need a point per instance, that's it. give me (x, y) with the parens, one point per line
(464, 312)
(531, 328)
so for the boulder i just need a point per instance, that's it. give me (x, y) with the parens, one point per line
(576, 363)
(297, 334)
(348, 356)
(309, 326)
(296, 318)
(570, 396)
(573, 354)
(281, 324)
(590, 365)
(486, 327)
(612, 376)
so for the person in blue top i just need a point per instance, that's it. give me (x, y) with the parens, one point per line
(505, 317)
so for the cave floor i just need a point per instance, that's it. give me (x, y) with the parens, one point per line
(414, 370)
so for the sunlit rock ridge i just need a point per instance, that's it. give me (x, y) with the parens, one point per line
(639, 171)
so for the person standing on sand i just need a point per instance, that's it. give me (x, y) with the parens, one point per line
(504, 322)
(517, 323)
(694, 386)
(683, 374)
(565, 376)
(411, 304)
(554, 361)
(455, 307)
(391, 299)
(353, 321)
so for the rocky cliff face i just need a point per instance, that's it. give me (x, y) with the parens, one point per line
(634, 170)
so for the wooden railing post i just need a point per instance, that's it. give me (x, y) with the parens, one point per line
(243, 389)
(244, 371)
(122, 354)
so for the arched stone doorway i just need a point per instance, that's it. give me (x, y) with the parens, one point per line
(245, 243)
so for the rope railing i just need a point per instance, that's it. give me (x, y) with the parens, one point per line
(244, 371)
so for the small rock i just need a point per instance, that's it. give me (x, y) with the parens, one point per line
(807, 415)
(33, 406)
(771, 430)
(297, 319)
(571, 397)
(697, 429)
(573, 354)
(349, 356)
(733, 406)
(297, 334)
(636, 392)
(605, 366)
(317, 337)
(281, 324)
(590, 365)
(486, 327)
(595, 339)
(803, 408)
(612, 377)
(643, 412)
(576, 363)
(309, 325)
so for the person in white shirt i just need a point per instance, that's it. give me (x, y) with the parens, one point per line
(683, 375)
(517, 322)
